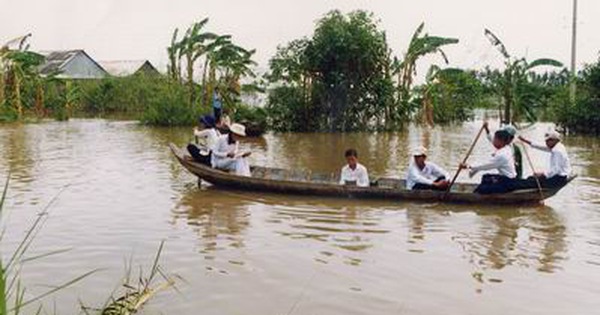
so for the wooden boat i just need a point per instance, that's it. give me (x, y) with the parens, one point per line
(303, 182)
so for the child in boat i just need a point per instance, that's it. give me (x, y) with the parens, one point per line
(206, 139)
(423, 175)
(502, 161)
(354, 173)
(227, 156)
(560, 165)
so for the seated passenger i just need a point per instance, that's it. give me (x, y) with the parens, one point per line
(206, 139)
(226, 155)
(502, 161)
(560, 165)
(423, 175)
(354, 173)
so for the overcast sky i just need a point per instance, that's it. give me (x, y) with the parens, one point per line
(141, 29)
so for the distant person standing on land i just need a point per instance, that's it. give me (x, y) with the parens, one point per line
(217, 105)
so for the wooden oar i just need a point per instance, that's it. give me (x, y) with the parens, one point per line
(537, 180)
(464, 161)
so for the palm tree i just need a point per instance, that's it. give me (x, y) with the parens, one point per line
(510, 83)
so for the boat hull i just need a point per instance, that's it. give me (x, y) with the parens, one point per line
(280, 181)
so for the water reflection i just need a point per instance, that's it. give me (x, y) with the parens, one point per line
(219, 219)
(528, 238)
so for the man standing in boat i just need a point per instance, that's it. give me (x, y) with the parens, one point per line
(423, 175)
(354, 173)
(517, 154)
(502, 161)
(560, 165)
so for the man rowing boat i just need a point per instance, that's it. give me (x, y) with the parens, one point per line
(516, 151)
(502, 162)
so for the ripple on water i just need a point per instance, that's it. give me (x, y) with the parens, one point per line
(255, 253)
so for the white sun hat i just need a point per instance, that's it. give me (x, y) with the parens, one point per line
(238, 129)
(418, 151)
(552, 135)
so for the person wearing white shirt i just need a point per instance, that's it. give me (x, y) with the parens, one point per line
(206, 140)
(423, 175)
(517, 154)
(207, 136)
(502, 162)
(560, 165)
(227, 156)
(354, 173)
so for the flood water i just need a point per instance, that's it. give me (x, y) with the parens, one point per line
(115, 192)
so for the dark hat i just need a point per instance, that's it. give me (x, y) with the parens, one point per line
(208, 121)
(503, 135)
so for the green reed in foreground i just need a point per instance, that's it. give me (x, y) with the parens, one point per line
(13, 297)
(135, 296)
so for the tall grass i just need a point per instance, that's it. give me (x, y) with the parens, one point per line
(13, 298)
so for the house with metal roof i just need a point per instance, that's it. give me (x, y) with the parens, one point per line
(124, 68)
(71, 64)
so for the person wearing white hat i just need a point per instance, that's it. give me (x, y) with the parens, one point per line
(227, 156)
(424, 175)
(354, 173)
(560, 165)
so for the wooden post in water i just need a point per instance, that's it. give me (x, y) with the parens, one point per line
(573, 87)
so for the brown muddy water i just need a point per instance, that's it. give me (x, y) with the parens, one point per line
(118, 193)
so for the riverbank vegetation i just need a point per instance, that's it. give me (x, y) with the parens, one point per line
(343, 77)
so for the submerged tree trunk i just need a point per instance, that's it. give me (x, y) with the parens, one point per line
(1, 86)
(39, 100)
(17, 97)
(190, 77)
(205, 95)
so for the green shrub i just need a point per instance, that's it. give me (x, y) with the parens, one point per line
(169, 106)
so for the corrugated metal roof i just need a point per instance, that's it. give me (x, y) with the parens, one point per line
(56, 61)
(121, 68)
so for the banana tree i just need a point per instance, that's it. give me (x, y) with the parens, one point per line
(421, 44)
(441, 89)
(228, 65)
(19, 67)
(511, 84)
(208, 72)
(174, 67)
(194, 46)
